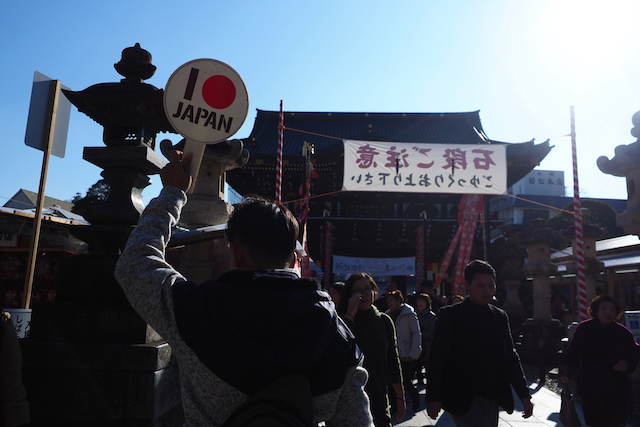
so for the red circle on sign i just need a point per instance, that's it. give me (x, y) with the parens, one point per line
(218, 92)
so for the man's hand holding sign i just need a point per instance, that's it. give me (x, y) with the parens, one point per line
(207, 102)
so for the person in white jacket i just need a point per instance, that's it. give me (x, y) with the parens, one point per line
(409, 341)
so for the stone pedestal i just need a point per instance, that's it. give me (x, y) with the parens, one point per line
(101, 384)
(511, 275)
(91, 359)
(541, 344)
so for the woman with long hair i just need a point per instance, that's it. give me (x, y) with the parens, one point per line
(376, 336)
(602, 353)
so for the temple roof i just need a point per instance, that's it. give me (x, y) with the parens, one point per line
(326, 130)
(434, 128)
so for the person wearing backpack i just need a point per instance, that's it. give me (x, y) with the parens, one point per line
(257, 333)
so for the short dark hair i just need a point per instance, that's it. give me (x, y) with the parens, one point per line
(396, 295)
(424, 297)
(478, 266)
(265, 228)
(597, 301)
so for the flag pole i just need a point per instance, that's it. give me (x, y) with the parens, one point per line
(582, 282)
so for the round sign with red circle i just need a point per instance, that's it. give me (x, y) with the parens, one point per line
(206, 101)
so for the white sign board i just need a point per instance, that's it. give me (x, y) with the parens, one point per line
(632, 321)
(206, 101)
(21, 321)
(40, 112)
(374, 266)
(8, 240)
(541, 183)
(424, 168)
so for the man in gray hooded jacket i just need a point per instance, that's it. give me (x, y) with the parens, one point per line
(255, 324)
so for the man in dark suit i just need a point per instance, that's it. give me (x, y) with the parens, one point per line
(473, 362)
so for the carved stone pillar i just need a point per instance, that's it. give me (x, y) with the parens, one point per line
(538, 239)
(511, 276)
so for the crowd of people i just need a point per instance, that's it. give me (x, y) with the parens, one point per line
(409, 325)
(601, 355)
(394, 334)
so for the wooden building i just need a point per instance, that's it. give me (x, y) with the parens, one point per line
(366, 224)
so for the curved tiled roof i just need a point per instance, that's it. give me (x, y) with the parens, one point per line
(432, 128)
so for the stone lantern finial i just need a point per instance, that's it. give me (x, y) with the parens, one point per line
(135, 64)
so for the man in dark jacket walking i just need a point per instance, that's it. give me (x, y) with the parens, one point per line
(473, 362)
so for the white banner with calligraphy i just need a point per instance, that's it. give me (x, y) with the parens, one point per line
(374, 266)
(424, 168)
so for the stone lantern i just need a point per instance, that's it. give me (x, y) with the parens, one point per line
(626, 163)
(511, 274)
(542, 334)
(90, 358)
(206, 260)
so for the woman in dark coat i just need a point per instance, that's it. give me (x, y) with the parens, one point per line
(376, 336)
(603, 353)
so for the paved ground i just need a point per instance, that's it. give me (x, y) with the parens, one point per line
(545, 412)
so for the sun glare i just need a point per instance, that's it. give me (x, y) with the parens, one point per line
(587, 40)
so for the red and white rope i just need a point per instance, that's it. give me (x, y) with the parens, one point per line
(582, 282)
(279, 160)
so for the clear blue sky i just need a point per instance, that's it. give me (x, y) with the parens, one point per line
(521, 63)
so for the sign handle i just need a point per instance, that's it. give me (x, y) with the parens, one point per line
(37, 220)
(196, 149)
